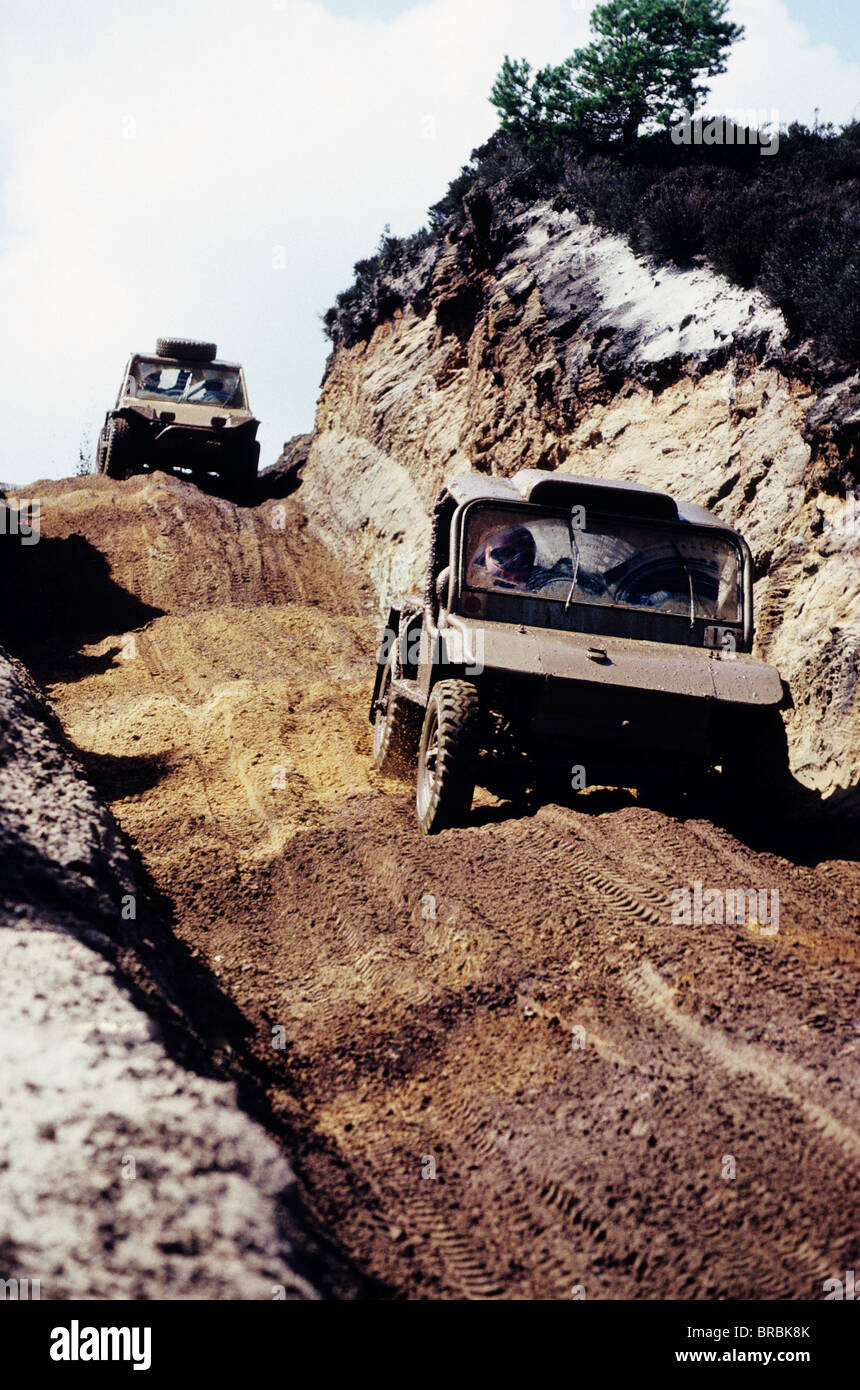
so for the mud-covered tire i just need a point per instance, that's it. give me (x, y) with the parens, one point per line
(447, 756)
(185, 349)
(396, 731)
(117, 459)
(246, 474)
(756, 775)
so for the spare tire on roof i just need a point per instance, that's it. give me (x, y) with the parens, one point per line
(185, 349)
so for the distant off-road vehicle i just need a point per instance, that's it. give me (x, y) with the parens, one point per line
(182, 411)
(579, 630)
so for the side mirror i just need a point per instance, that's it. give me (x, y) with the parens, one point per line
(442, 581)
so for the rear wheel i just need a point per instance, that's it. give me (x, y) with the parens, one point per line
(448, 756)
(395, 730)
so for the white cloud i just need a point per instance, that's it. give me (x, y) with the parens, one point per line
(156, 156)
(778, 67)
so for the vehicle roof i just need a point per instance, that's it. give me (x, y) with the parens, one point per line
(561, 489)
(185, 361)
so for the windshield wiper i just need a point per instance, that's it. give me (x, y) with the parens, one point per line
(685, 567)
(575, 557)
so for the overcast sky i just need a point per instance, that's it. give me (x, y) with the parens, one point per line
(213, 169)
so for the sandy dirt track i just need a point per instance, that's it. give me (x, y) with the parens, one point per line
(505, 1072)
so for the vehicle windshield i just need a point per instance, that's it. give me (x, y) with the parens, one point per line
(207, 384)
(662, 568)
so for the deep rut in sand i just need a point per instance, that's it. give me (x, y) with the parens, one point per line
(505, 1071)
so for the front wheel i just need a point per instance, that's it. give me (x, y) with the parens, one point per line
(246, 473)
(117, 460)
(447, 758)
(756, 772)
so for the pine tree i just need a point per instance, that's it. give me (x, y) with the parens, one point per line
(645, 64)
(512, 94)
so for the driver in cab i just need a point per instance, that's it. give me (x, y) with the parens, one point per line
(508, 555)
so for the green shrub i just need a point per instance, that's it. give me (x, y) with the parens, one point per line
(674, 216)
(788, 224)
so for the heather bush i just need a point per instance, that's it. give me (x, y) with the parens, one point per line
(674, 215)
(788, 224)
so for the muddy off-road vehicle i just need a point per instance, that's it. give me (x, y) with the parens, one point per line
(577, 632)
(182, 411)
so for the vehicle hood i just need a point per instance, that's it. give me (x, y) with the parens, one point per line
(184, 413)
(733, 677)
